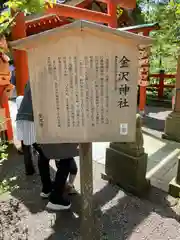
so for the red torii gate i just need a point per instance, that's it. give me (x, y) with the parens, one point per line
(58, 15)
(24, 27)
(145, 29)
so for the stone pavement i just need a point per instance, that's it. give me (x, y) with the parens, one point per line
(162, 154)
(122, 216)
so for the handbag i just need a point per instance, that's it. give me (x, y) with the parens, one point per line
(60, 150)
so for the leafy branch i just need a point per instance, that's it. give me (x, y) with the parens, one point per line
(26, 6)
(6, 184)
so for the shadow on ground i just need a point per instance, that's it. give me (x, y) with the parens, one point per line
(155, 118)
(154, 123)
(29, 187)
(119, 217)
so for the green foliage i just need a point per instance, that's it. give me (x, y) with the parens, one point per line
(3, 154)
(119, 11)
(6, 185)
(165, 12)
(137, 13)
(27, 6)
(167, 39)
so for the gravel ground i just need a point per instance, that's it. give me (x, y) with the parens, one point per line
(11, 220)
(121, 216)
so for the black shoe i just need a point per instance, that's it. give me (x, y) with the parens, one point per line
(30, 171)
(70, 189)
(45, 195)
(28, 161)
(20, 151)
(46, 192)
(60, 204)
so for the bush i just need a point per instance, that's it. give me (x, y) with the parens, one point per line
(6, 185)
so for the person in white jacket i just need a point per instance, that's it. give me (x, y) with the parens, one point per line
(25, 132)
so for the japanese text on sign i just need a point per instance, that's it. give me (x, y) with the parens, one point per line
(81, 101)
(84, 100)
(122, 65)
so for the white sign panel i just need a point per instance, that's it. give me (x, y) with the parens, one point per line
(84, 90)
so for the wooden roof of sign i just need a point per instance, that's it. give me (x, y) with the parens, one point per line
(142, 27)
(53, 35)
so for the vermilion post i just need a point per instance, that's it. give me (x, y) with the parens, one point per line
(124, 3)
(142, 97)
(161, 84)
(78, 13)
(20, 57)
(112, 10)
(9, 131)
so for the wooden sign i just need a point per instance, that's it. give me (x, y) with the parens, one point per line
(84, 83)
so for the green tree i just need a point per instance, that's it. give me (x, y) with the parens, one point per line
(27, 6)
(167, 39)
(137, 13)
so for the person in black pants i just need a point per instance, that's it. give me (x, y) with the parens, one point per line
(72, 175)
(54, 191)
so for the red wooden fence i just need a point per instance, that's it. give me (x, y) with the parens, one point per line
(161, 77)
